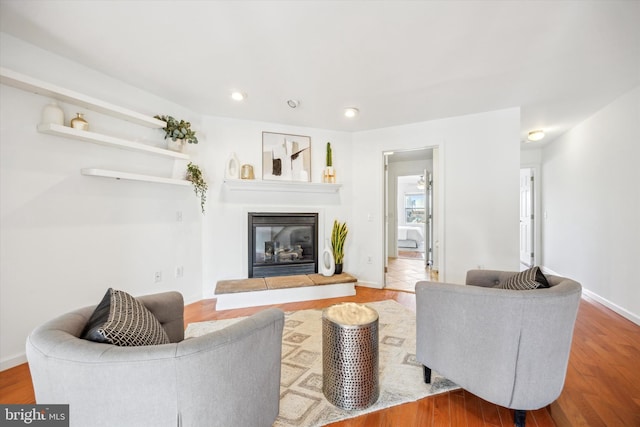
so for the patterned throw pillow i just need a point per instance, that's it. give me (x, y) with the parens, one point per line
(122, 320)
(525, 280)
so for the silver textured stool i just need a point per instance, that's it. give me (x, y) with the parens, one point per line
(350, 355)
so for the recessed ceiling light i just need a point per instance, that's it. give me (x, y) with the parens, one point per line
(293, 103)
(351, 112)
(535, 135)
(238, 96)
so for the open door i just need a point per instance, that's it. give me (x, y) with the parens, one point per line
(526, 217)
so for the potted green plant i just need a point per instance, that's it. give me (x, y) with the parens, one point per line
(329, 175)
(338, 237)
(194, 174)
(178, 131)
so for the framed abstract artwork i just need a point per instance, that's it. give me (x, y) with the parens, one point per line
(286, 157)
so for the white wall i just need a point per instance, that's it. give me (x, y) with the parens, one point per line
(225, 226)
(480, 159)
(530, 156)
(64, 237)
(591, 196)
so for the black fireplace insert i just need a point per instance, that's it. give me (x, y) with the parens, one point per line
(282, 244)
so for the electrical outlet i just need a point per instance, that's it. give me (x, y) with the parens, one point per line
(158, 276)
(179, 272)
(369, 259)
(179, 216)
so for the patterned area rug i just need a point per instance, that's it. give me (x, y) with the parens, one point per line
(302, 403)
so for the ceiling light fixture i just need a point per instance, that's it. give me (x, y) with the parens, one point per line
(535, 135)
(238, 96)
(293, 103)
(351, 112)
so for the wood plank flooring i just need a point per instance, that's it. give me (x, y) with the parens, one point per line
(602, 386)
(402, 274)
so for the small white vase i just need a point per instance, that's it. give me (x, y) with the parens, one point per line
(52, 113)
(232, 171)
(327, 262)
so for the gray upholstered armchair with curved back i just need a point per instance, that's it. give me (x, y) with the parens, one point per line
(509, 347)
(225, 378)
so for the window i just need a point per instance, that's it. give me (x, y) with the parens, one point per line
(414, 208)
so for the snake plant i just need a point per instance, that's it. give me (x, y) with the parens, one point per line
(338, 237)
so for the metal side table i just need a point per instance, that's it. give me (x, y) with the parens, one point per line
(350, 355)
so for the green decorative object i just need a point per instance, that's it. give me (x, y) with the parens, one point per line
(338, 237)
(175, 130)
(194, 174)
(328, 174)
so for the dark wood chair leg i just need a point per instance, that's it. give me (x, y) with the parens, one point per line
(427, 374)
(519, 417)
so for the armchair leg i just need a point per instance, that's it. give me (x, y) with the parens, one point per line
(519, 417)
(427, 374)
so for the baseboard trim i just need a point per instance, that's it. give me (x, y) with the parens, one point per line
(12, 362)
(610, 305)
(373, 285)
(281, 296)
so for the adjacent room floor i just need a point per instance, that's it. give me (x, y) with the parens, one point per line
(403, 273)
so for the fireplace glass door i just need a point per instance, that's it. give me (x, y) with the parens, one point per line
(282, 244)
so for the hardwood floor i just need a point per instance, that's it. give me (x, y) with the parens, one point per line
(402, 274)
(602, 386)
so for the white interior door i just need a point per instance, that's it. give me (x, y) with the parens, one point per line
(526, 217)
(386, 213)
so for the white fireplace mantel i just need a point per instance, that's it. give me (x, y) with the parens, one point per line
(281, 186)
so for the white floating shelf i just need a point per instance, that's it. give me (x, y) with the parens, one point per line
(133, 176)
(21, 81)
(284, 186)
(97, 138)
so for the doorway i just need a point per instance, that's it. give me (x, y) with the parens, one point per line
(410, 217)
(529, 217)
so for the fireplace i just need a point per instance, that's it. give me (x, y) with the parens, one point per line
(282, 244)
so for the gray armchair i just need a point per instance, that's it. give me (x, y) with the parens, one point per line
(225, 378)
(508, 347)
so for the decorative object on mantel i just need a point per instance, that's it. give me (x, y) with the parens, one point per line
(338, 237)
(286, 157)
(194, 174)
(232, 170)
(247, 172)
(329, 174)
(327, 263)
(177, 132)
(79, 122)
(52, 113)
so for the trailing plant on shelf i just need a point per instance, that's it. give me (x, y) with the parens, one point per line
(194, 174)
(338, 237)
(175, 129)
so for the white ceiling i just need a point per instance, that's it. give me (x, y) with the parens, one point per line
(397, 61)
